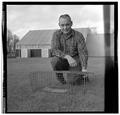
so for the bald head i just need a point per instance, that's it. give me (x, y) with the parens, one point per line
(65, 23)
(65, 16)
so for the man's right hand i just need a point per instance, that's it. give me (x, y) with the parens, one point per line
(72, 62)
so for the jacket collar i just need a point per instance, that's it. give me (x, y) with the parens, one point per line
(68, 35)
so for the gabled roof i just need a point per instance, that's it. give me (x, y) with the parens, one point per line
(43, 37)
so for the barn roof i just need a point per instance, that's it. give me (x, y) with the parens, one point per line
(43, 37)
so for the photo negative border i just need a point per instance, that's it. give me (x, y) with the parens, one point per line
(111, 67)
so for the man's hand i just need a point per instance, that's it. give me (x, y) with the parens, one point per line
(72, 62)
(84, 69)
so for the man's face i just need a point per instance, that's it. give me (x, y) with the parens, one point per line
(65, 25)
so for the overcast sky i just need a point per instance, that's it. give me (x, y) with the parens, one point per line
(22, 18)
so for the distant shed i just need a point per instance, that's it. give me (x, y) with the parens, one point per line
(96, 44)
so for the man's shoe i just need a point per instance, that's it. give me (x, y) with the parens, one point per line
(60, 78)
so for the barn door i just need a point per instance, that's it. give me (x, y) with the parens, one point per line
(35, 53)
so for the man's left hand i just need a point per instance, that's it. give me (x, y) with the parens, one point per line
(84, 70)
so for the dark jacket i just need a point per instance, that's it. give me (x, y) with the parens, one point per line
(72, 44)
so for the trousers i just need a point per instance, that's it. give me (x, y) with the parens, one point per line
(61, 64)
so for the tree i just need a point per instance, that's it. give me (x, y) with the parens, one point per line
(16, 39)
(9, 40)
(12, 39)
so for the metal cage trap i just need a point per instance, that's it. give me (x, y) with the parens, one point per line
(46, 81)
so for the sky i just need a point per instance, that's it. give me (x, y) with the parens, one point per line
(23, 18)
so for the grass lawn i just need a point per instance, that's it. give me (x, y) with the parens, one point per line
(21, 97)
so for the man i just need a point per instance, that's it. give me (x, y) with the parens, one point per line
(69, 49)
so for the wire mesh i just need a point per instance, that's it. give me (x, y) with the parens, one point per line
(42, 79)
(64, 95)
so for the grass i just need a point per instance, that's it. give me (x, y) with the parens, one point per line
(21, 97)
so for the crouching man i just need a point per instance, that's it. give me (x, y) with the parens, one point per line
(68, 49)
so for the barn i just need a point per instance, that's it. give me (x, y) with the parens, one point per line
(37, 43)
